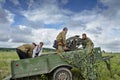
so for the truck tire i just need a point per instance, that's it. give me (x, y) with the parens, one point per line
(62, 74)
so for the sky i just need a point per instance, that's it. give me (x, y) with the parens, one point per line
(27, 21)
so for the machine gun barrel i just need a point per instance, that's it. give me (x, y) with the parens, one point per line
(106, 59)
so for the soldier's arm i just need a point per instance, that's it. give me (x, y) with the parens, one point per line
(90, 42)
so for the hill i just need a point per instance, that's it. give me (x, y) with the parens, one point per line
(13, 49)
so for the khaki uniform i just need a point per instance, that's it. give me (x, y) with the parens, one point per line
(88, 45)
(27, 49)
(61, 39)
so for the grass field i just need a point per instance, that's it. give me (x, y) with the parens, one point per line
(6, 57)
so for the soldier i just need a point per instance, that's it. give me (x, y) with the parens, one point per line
(90, 65)
(87, 43)
(61, 40)
(26, 50)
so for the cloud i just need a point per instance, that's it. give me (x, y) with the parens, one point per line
(10, 16)
(46, 15)
(4, 33)
(15, 2)
(64, 1)
(1, 2)
(101, 25)
(5, 21)
(3, 14)
(111, 45)
(45, 35)
(21, 34)
(112, 12)
(6, 16)
(48, 12)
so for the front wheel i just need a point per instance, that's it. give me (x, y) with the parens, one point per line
(62, 74)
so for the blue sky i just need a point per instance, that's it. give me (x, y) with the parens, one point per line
(27, 21)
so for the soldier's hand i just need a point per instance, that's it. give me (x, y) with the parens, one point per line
(65, 48)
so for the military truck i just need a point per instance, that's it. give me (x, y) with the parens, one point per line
(57, 66)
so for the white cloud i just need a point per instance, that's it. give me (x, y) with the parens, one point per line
(48, 12)
(5, 21)
(22, 27)
(46, 15)
(30, 3)
(102, 27)
(6, 16)
(3, 15)
(10, 16)
(10, 40)
(64, 1)
(45, 35)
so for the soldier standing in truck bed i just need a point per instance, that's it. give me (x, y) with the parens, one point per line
(61, 40)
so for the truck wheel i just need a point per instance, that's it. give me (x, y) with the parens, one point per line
(62, 74)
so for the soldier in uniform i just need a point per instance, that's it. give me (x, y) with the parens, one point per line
(61, 40)
(88, 47)
(26, 50)
(87, 43)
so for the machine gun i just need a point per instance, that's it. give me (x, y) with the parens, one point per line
(73, 42)
(106, 59)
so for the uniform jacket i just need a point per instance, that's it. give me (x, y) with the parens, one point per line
(27, 49)
(87, 42)
(61, 38)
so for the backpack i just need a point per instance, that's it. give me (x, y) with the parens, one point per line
(55, 44)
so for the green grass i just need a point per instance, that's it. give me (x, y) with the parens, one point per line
(102, 69)
(115, 68)
(7, 57)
